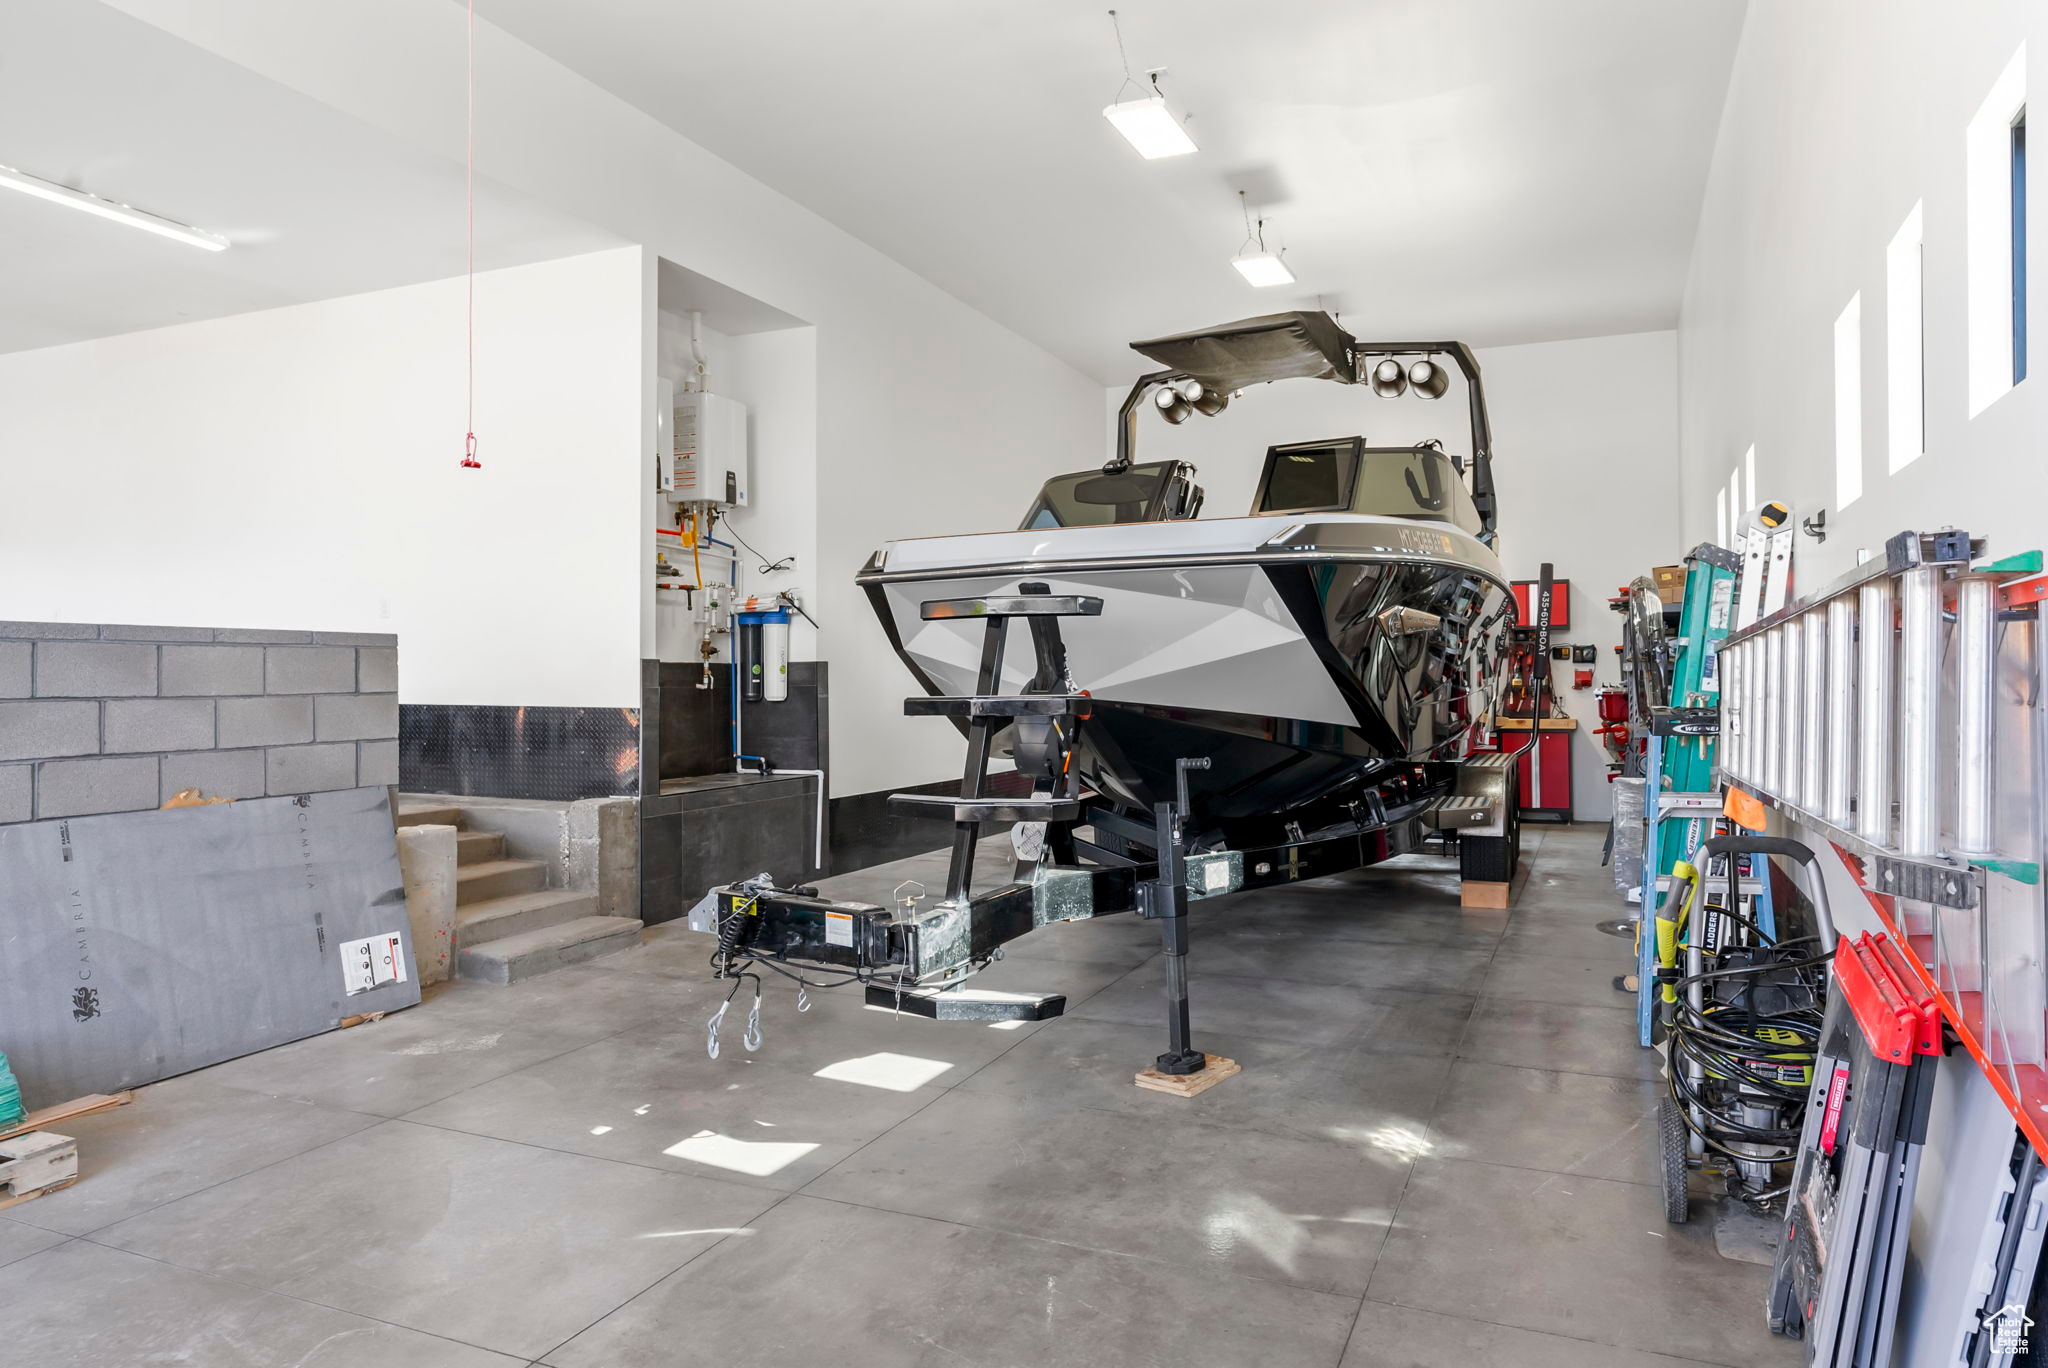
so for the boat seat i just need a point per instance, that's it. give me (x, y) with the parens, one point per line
(953, 808)
(1013, 605)
(1014, 705)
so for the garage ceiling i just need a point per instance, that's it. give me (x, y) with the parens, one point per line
(317, 204)
(1495, 170)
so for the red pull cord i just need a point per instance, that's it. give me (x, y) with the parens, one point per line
(469, 460)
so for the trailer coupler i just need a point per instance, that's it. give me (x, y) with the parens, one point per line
(908, 960)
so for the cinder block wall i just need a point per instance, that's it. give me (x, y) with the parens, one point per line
(117, 719)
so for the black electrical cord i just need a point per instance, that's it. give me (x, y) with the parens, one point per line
(1728, 1056)
(767, 567)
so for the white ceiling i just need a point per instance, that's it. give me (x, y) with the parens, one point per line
(317, 204)
(1495, 170)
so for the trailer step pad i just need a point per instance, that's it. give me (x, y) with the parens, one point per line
(993, 809)
(1465, 810)
(1014, 705)
(967, 1004)
(1214, 1070)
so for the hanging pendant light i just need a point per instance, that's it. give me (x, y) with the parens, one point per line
(1258, 265)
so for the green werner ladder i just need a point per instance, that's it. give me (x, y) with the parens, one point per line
(1679, 798)
(1691, 734)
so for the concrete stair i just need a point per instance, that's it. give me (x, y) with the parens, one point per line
(509, 924)
(551, 947)
(474, 847)
(517, 913)
(475, 883)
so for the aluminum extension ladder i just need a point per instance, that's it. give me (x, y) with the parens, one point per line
(1862, 712)
(1832, 709)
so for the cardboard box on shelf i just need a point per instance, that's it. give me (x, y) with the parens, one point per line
(1670, 581)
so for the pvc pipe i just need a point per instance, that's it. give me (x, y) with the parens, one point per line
(700, 377)
(818, 822)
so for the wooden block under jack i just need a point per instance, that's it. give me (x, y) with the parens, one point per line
(36, 1163)
(1477, 894)
(1214, 1070)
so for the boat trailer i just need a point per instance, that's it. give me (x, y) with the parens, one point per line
(917, 959)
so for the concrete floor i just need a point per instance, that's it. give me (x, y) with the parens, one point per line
(1439, 1153)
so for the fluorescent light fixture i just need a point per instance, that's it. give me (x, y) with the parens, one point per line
(1150, 127)
(108, 209)
(1263, 268)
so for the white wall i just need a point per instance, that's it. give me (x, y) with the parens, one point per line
(1841, 115)
(1585, 444)
(297, 468)
(919, 396)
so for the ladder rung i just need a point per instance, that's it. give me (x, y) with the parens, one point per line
(1017, 605)
(1013, 705)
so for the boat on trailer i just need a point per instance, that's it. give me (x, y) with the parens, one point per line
(1327, 652)
(1206, 704)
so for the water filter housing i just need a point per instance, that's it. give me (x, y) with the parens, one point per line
(764, 654)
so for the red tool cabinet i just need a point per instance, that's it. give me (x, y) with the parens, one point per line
(1546, 787)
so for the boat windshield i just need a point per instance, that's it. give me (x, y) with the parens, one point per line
(1419, 482)
(1345, 475)
(1094, 498)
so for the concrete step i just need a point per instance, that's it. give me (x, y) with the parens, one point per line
(475, 847)
(498, 879)
(552, 947)
(492, 919)
(429, 814)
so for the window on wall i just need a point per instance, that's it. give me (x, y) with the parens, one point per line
(1720, 517)
(1749, 478)
(1995, 215)
(1736, 507)
(1849, 403)
(1905, 346)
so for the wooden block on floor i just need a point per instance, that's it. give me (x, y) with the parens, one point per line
(90, 1105)
(36, 1163)
(1213, 1071)
(1474, 894)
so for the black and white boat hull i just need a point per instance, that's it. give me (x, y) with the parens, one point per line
(1299, 656)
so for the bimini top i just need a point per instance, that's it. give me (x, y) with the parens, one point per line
(1254, 351)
